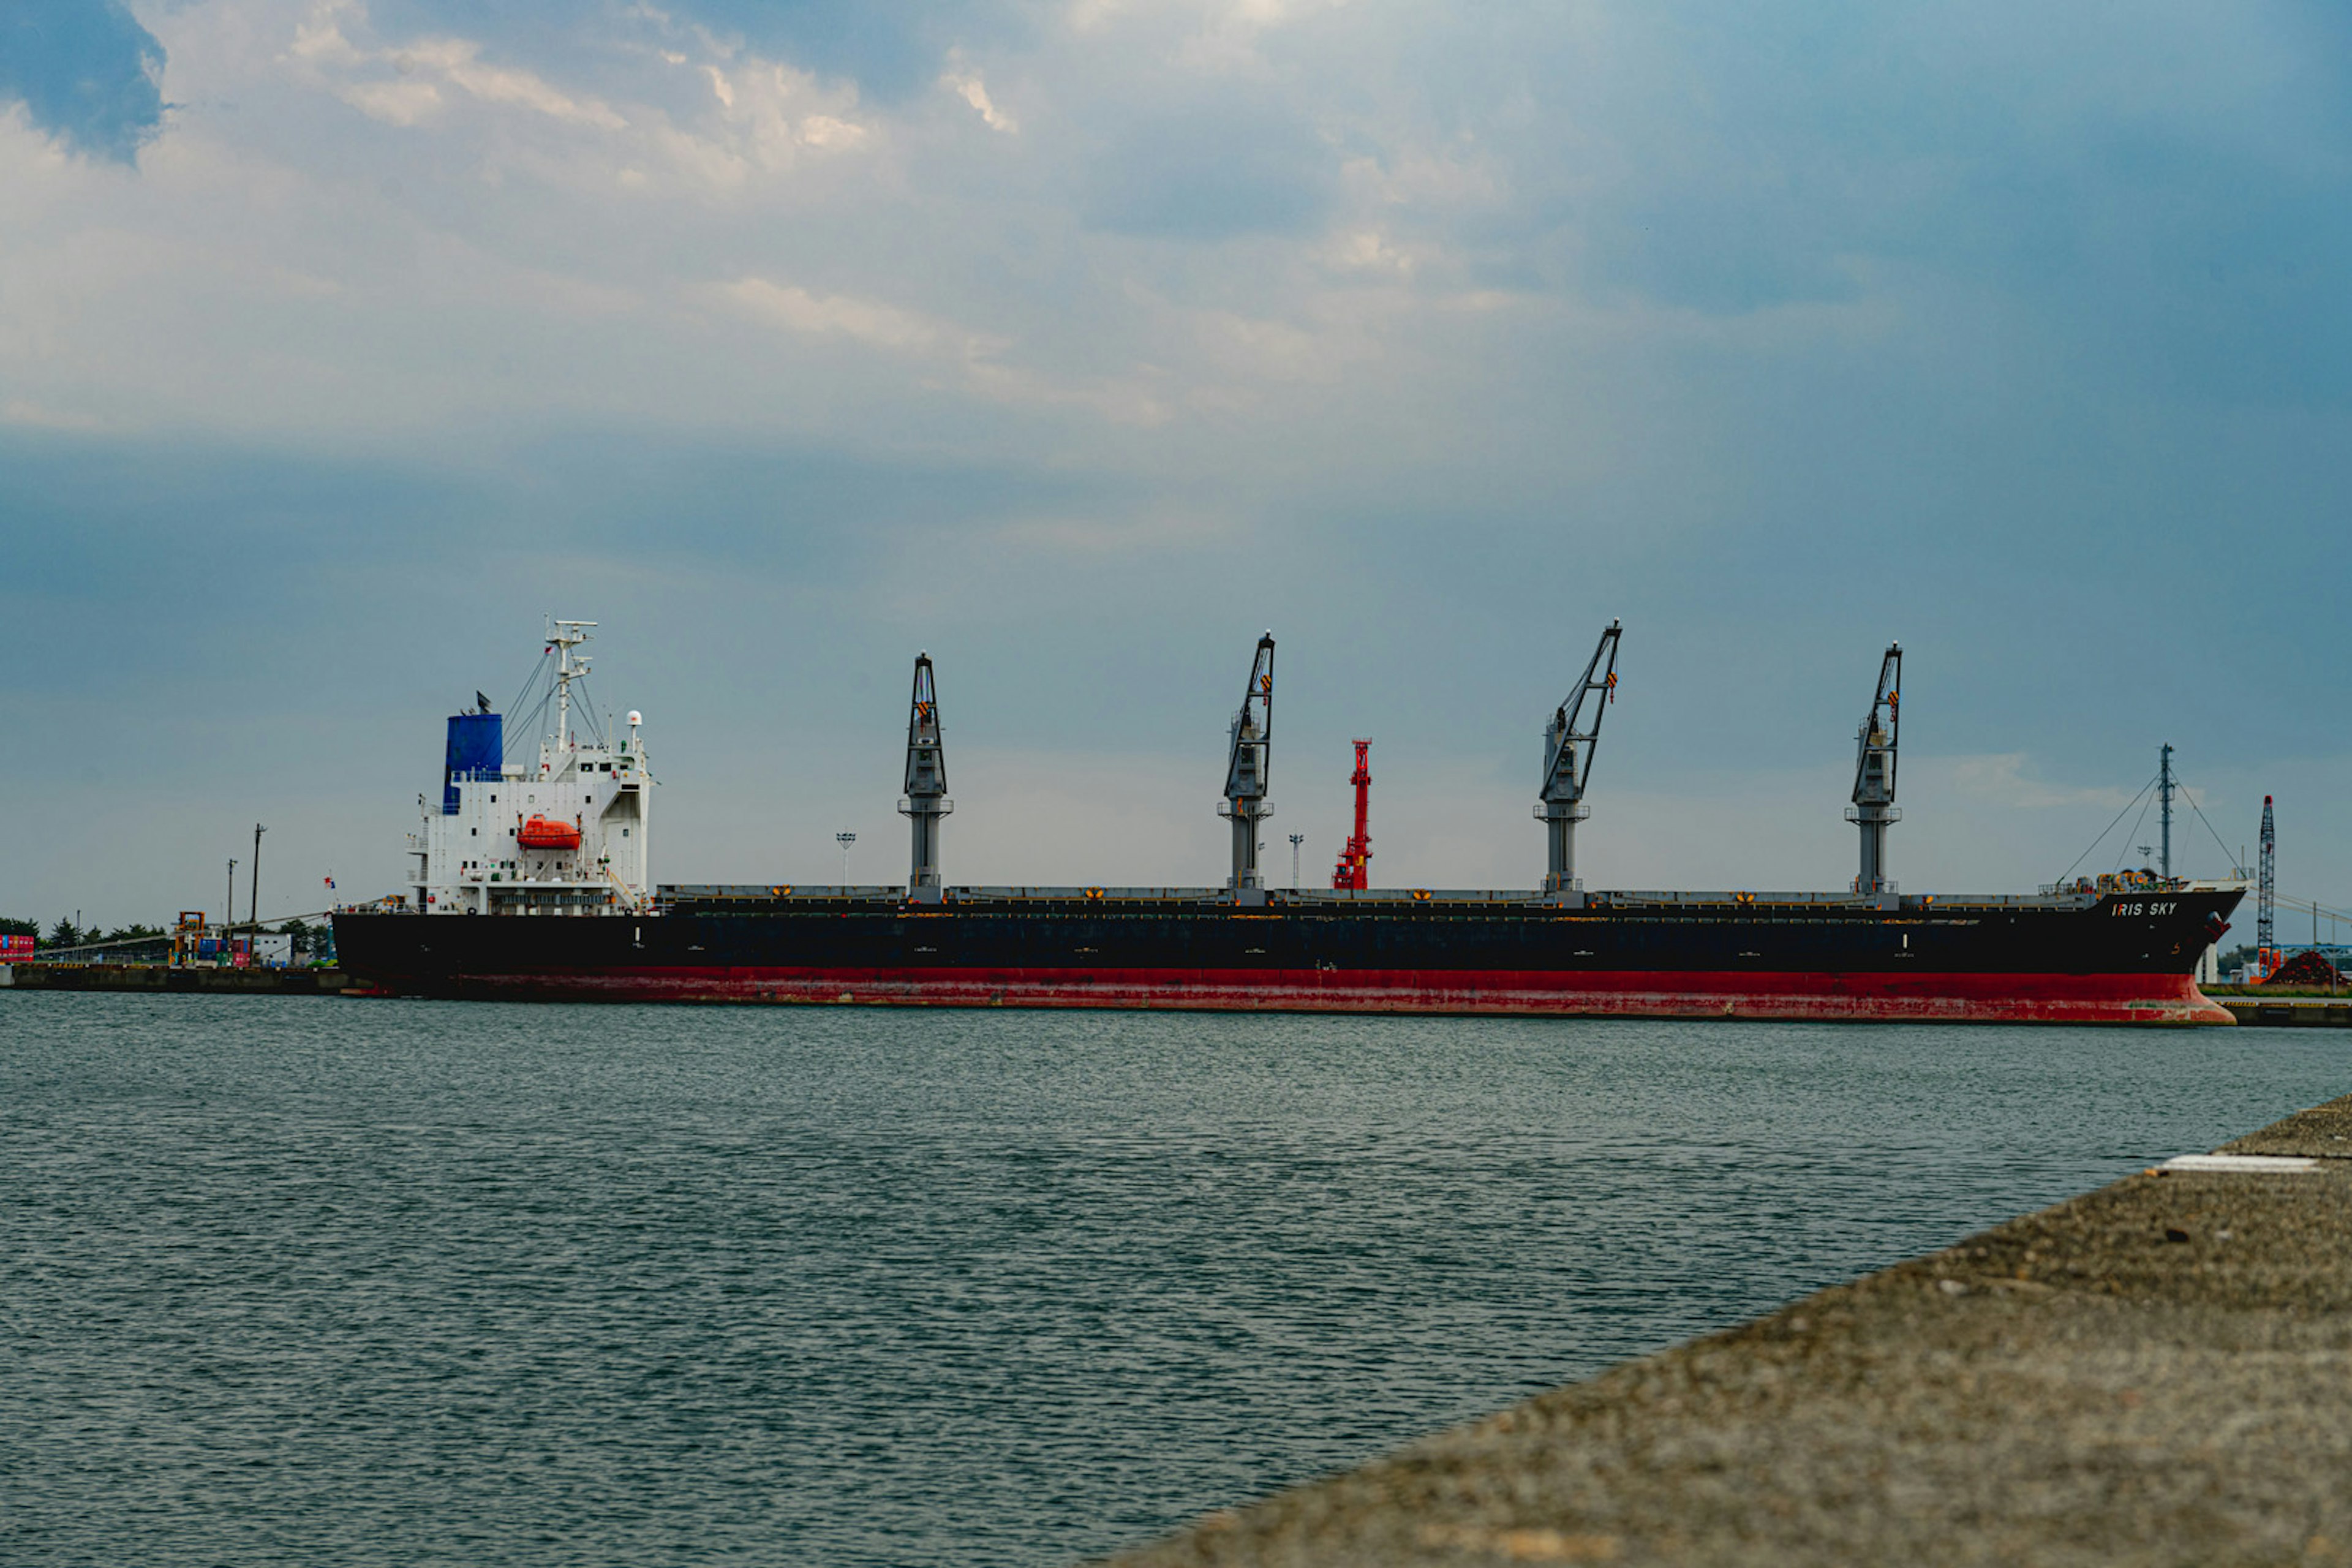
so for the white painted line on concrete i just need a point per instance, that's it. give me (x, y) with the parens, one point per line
(2239, 1162)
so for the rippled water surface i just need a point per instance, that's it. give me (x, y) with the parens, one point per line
(313, 1281)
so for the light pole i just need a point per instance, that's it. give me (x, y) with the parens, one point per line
(252, 902)
(228, 905)
(844, 840)
(1295, 839)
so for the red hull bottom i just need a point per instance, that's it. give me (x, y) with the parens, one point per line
(1724, 994)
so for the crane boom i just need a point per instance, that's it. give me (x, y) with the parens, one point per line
(1568, 744)
(1873, 809)
(927, 783)
(1248, 766)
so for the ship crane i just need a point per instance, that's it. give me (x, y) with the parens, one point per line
(1873, 809)
(1568, 745)
(927, 785)
(1247, 768)
(1354, 869)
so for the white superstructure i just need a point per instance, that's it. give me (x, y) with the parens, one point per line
(564, 835)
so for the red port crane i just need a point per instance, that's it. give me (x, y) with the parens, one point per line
(1353, 870)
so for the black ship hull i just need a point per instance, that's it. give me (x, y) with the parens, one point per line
(2120, 957)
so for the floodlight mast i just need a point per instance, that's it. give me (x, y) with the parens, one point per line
(1873, 809)
(1568, 744)
(927, 799)
(1248, 766)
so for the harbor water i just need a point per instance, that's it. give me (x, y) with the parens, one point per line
(289, 1280)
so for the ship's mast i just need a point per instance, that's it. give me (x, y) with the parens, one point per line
(2164, 797)
(926, 784)
(1354, 869)
(563, 637)
(2266, 894)
(1568, 745)
(1873, 809)
(1248, 766)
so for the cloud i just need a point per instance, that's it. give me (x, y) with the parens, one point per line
(2001, 778)
(86, 71)
(891, 50)
(1434, 336)
(965, 83)
(772, 114)
(971, 361)
(795, 309)
(458, 62)
(405, 82)
(1226, 164)
(33, 416)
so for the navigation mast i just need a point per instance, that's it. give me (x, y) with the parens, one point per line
(2164, 797)
(2266, 894)
(563, 637)
(1354, 869)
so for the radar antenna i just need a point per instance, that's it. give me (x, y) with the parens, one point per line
(1873, 809)
(1247, 768)
(926, 784)
(1568, 745)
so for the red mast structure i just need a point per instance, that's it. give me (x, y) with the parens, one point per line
(1353, 870)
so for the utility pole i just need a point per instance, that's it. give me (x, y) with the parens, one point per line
(1296, 840)
(252, 902)
(2164, 796)
(845, 839)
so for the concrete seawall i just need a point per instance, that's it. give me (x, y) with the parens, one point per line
(2290, 1012)
(156, 977)
(2159, 1372)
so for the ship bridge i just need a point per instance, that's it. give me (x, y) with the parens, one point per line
(563, 832)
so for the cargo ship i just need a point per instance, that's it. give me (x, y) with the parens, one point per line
(530, 881)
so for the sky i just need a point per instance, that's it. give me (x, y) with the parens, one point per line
(1077, 343)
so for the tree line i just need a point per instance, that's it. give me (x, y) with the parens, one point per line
(63, 933)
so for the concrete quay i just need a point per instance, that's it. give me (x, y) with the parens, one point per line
(2290, 1012)
(2159, 1372)
(157, 977)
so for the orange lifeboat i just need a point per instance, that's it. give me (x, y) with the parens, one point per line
(540, 833)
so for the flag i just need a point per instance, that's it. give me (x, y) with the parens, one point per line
(330, 884)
